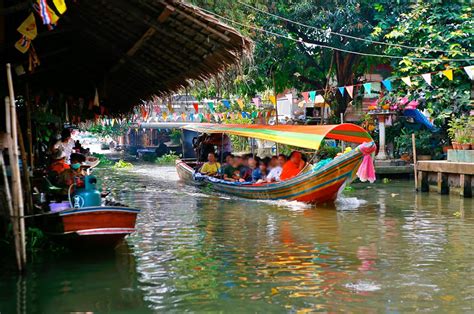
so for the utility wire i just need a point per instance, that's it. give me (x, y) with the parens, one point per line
(345, 35)
(334, 48)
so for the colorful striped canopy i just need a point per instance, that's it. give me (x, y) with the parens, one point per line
(304, 136)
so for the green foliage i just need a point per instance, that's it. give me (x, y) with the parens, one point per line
(122, 165)
(175, 136)
(445, 26)
(460, 129)
(118, 129)
(325, 151)
(424, 142)
(104, 161)
(167, 159)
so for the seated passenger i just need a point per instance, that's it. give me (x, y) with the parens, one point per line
(248, 173)
(229, 169)
(210, 168)
(66, 178)
(275, 172)
(293, 166)
(259, 175)
(58, 164)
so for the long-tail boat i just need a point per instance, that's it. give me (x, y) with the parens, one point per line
(311, 186)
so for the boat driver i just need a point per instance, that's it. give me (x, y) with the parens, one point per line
(293, 166)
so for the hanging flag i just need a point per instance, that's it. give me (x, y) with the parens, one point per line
(290, 98)
(448, 73)
(208, 117)
(254, 114)
(312, 96)
(196, 106)
(28, 27)
(387, 84)
(301, 104)
(241, 103)
(341, 90)
(305, 96)
(272, 99)
(319, 100)
(47, 14)
(427, 78)
(23, 44)
(470, 71)
(350, 90)
(60, 6)
(256, 101)
(367, 88)
(406, 80)
(33, 60)
(211, 106)
(164, 115)
(96, 99)
(170, 107)
(226, 103)
(183, 116)
(201, 117)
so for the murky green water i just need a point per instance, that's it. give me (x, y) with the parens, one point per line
(381, 248)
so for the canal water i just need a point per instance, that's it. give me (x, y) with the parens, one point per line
(380, 248)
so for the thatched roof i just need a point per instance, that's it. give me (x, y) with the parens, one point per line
(130, 49)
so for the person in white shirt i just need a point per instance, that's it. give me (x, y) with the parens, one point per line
(66, 144)
(275, 172)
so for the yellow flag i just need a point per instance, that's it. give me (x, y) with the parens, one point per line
(60, 6)
(23, 44)
(28, 27)
(448, 73)
(241, 103)
(165, 115)
(170, 107)
(272, 99)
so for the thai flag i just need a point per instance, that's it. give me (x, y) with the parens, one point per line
(42, 8)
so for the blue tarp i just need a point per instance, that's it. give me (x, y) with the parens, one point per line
(420, 118)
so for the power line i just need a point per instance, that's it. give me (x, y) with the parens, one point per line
(334, 48)
(345, 35)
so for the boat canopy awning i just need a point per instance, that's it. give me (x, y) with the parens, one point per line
(304, 136)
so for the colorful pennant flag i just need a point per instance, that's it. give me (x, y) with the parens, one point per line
(241, 103)
(164, 115)
(28, 27)
(341, 90)
(196, 106)
(470, 71)
(97, 102)
(312, 96)
(183, 116)
(427, 78)
(350, 90)
(367, 88)
(305, 96)
(272, 99)
(387, 84)
(448, 73)
(226, 103)
(60, 6)
(301, 104)
(23, 44)
(211, 106)
(406, 80)
(256, 101)
(170, 107)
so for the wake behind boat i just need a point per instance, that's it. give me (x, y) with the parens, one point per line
(314, 184)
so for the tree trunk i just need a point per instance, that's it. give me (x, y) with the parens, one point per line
(345, 66)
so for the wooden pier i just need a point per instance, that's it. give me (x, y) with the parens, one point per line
(446, 177)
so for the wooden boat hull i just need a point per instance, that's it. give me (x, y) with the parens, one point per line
(94, 226)
(320, 186)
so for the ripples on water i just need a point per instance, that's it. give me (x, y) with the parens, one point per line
(380, 248)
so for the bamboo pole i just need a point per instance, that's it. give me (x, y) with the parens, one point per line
(413, 143)
(29, 133)
(26, 173)
(16, 179)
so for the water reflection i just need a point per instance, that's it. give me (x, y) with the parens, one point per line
(380, 248)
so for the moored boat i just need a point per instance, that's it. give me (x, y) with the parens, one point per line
(313, 185)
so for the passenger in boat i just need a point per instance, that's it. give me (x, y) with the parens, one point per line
(65, 144)
(211, 167)
(275, 172)
(229, 169)
(293, 166)
(59, 162)
(66, 178)
(244, 167)
(247, 175)
(259, 175)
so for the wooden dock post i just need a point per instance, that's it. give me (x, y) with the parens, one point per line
(442, 183)
(413, 143)
(465, 182)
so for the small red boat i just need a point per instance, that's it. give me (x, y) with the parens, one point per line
(93, 226)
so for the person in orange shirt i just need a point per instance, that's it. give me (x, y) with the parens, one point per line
(58, 164)
(293, 166)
